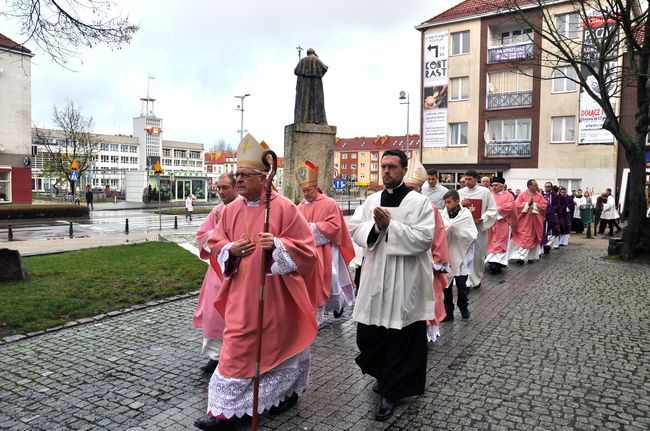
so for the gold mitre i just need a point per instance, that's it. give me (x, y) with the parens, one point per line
(416, 174)
(249, 153)
(307, 174)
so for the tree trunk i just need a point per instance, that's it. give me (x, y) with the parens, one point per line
(633, 236)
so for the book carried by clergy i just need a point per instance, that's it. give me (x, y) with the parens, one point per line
(476, 208)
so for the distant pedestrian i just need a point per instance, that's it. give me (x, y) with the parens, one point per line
(189, 207)
(89, 198)
(609, 215)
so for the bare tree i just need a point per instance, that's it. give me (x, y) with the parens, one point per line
(222, 146)
(605, 50)
(72, 140)
(61, 27)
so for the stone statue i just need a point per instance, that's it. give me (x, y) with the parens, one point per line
(310, 102)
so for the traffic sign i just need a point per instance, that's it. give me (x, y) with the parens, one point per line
(339, 183)
(74, 176)
(73, 166)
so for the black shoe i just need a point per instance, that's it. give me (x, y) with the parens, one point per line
(385, 409)
(547, 249)
(478, 286)
(338, 314)
(519, 261)
(464, 313)
(284, 405)
(210, 366)
(375, 387)
(531, 261)
(449, 317)
(218, 424)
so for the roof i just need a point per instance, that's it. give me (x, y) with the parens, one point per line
(476, 8)
(99, 137)
(377, 143)
(166, 143)
(220, 158)
(7, 43)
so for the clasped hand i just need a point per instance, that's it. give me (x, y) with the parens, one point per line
(382, 217)
(246, 247)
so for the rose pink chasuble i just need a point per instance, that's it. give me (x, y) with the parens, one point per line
(289, 324)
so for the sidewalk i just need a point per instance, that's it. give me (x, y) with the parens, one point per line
(561, 344)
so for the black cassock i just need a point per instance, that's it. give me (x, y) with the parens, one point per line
(397, 358)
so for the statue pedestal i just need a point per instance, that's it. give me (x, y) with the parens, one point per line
(313, 142)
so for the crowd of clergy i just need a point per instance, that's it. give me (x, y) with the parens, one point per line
(408, 246)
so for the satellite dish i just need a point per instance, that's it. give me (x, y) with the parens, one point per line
(486, 136)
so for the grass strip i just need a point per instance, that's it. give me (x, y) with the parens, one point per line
(84, 283)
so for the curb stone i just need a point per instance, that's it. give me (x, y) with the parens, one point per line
(93, 319)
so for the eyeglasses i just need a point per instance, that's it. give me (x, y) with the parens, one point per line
(246, 174)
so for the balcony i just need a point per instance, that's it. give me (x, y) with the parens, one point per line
(510, 149)
(515, 99)
(499, 54)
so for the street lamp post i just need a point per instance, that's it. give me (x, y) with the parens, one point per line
(405, 96)
(241, 108)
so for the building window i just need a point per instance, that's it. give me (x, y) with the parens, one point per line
(362, 154)
(374, 166)
(362, 165)
(510, 130)
(353, 166)
(134, 160)
(124, 148)
(460, 43)
(104, 159)
(568, 25)
(353, 155)
(570, 183)
(114, 147)
(344, 166)
(460, 88)
(5, 186)
(564, 79)
(124, 159)
(103, 147)
(520, 35)
(114, 159)
(563, 129)
(167, 153)
(344, 156)
(458, 134)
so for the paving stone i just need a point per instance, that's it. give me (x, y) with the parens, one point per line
(562, 344)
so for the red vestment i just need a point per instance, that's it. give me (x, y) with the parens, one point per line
(325, 213)
(528, 231)
(206, 315)
(289, 324)
(499, 233)
(440, 254)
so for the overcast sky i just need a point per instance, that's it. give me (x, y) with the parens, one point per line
(203, 53)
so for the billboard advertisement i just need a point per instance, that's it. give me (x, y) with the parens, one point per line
(435, 82)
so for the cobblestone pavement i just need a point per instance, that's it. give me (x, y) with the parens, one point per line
(561, 344)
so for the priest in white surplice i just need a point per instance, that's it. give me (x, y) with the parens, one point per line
(434, 190)
(395, 297)
(488, 215)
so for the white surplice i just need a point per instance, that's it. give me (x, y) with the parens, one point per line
(461, 234)
(488, 218)
(395, 288)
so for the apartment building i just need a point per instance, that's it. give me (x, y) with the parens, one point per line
(15, 122)
(358, 160)
(480, 111)
(221, 162)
